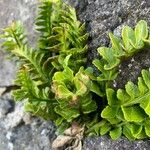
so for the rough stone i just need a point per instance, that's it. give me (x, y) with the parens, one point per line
(105, 143)
(18, 130)
(36, 136)
(5, 107)
(7, 70)
(14, 118)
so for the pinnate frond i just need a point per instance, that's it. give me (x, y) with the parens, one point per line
(128, 110)
(132, 41)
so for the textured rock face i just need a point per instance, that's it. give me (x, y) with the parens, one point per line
(19, 131)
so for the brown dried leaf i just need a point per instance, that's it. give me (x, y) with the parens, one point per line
(60, 141)
(72, 138)
(77, 145)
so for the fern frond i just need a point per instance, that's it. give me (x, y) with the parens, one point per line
(14, 36)
(29, 87)
(16, 43)
(48, 17)
(72, 94)
(76, 37)
(128, 110)
(132, 42)
(39, 99)
(76, 30)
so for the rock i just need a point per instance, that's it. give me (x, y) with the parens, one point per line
(5, 107)
(105, 143)
(19, 131)
(36, 136)
(7, 70)
(14, 118)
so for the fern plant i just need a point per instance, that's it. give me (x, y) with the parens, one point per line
(73, 94)
(128, 110)
(60, 35)
(54, 84)
(131, 43)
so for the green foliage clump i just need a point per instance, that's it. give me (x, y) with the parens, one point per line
(127, 110)
(54, 84)
(62, 38)
(61, 34)
(131, 43)
(73, 94)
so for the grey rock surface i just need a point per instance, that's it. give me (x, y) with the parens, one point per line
(20, 131)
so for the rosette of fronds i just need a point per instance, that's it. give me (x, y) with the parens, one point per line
(55, 86)
(72, 92)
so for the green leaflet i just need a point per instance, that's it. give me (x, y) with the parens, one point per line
(141, 33)
(134, 131)
(133, 114)
(109, 112)
(116, 44)
(116, 133)
(128, 38)
(67, 114)
(108, 54)
(105, 128)
(107, 75)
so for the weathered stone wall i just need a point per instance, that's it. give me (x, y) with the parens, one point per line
(20, 131)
